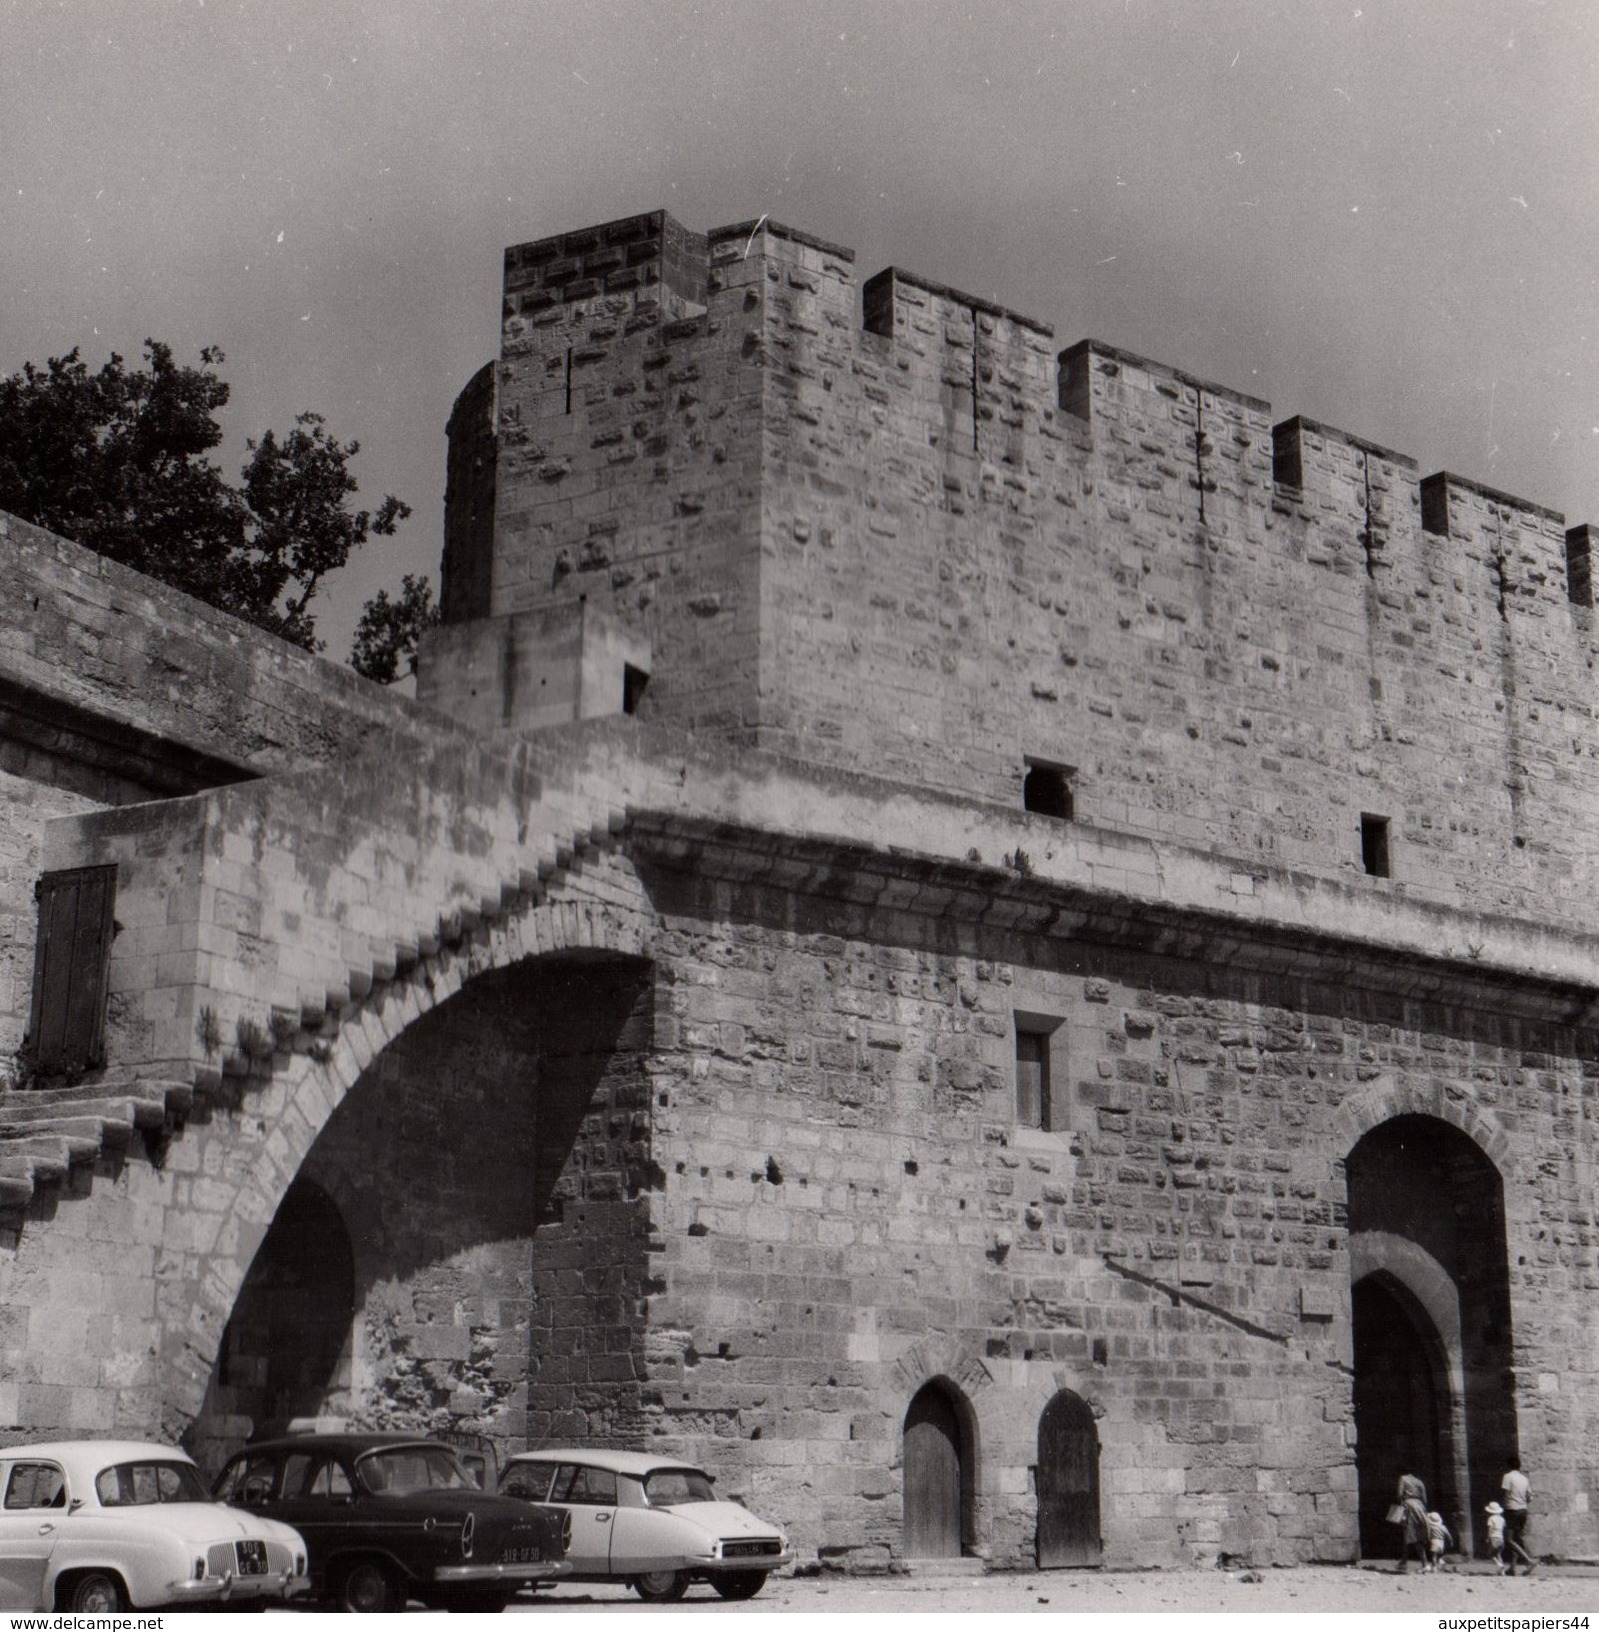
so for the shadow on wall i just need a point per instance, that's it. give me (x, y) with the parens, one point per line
(396, 1285)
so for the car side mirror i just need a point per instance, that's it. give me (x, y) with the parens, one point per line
(74, 1504)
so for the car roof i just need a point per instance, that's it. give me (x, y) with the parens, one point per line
(350, 1443)
(636, 1464)
(98, 1452)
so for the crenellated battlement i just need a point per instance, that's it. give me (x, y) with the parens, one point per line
(649, 268)
(891, 525)
(644, 257)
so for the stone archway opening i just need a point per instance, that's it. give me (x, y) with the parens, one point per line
(1433, 1384)
(939, 1472)
(489, 1171)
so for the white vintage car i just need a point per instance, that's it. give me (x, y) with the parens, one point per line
(649, 1521)
(97, 1526)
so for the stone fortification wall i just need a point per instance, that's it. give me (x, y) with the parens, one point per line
(89, 638)
(116, 690)
(969, 554)
(850, 1209)
(750, 1067)
(1243, 638)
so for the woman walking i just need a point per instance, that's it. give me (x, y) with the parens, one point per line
(1413, 1501)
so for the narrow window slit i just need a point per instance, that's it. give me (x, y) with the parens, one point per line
(1199, 451)
(1368, 538)
(976, 441)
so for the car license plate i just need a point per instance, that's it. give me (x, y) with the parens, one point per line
(251, 1557)
(521, 1555)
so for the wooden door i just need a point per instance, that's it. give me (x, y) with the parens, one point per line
(1068, 1485)
(932, 1476)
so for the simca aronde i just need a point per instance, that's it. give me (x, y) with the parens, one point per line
(649, 1521)
(97, 1526)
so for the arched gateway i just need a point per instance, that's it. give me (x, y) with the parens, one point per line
(1431, 1316)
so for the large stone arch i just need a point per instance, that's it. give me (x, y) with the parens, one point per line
(602, 912)
(1384, 1099)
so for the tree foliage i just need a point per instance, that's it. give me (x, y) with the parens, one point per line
(390, 630)
(119, 461)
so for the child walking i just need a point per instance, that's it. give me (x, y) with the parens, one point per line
(1439, 1540)
(1496, 1534)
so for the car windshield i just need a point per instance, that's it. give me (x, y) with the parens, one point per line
(142, 1484)
(406, 1468)
(671, 1487)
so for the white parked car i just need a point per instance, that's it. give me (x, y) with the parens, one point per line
(97, 1526)
(650, 1521)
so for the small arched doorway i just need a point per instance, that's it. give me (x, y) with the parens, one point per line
(1067, 1479)
(938, 1474)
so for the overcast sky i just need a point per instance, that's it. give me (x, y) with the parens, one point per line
(1384, 216)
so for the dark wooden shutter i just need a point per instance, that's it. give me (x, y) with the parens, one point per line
(66, 1030)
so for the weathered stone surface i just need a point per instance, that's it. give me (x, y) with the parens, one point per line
(654, 1080)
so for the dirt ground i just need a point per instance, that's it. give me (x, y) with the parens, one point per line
(1472, 1589)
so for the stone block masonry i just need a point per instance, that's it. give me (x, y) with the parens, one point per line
(1062, 1030)
(851, 1207)
(116, 690)
(1245, 636)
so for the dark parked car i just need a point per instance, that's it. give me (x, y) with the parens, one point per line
(388, 1517)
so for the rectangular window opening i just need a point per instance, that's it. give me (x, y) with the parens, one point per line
(1047, 789)
(634, 680)
(1033, 1108)
(1374, 845)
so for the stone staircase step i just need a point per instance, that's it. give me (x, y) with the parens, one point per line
(84, 1136)
(46, 1132)
(112, 1111)
(51, 1158)
(140, 1101)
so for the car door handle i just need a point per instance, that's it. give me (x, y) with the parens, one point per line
(602, 1518)
(46, 1529)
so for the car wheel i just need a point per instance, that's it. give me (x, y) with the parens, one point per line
(660, 1586)
(98, 1592)
(739, 1584)
(369, 1588)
